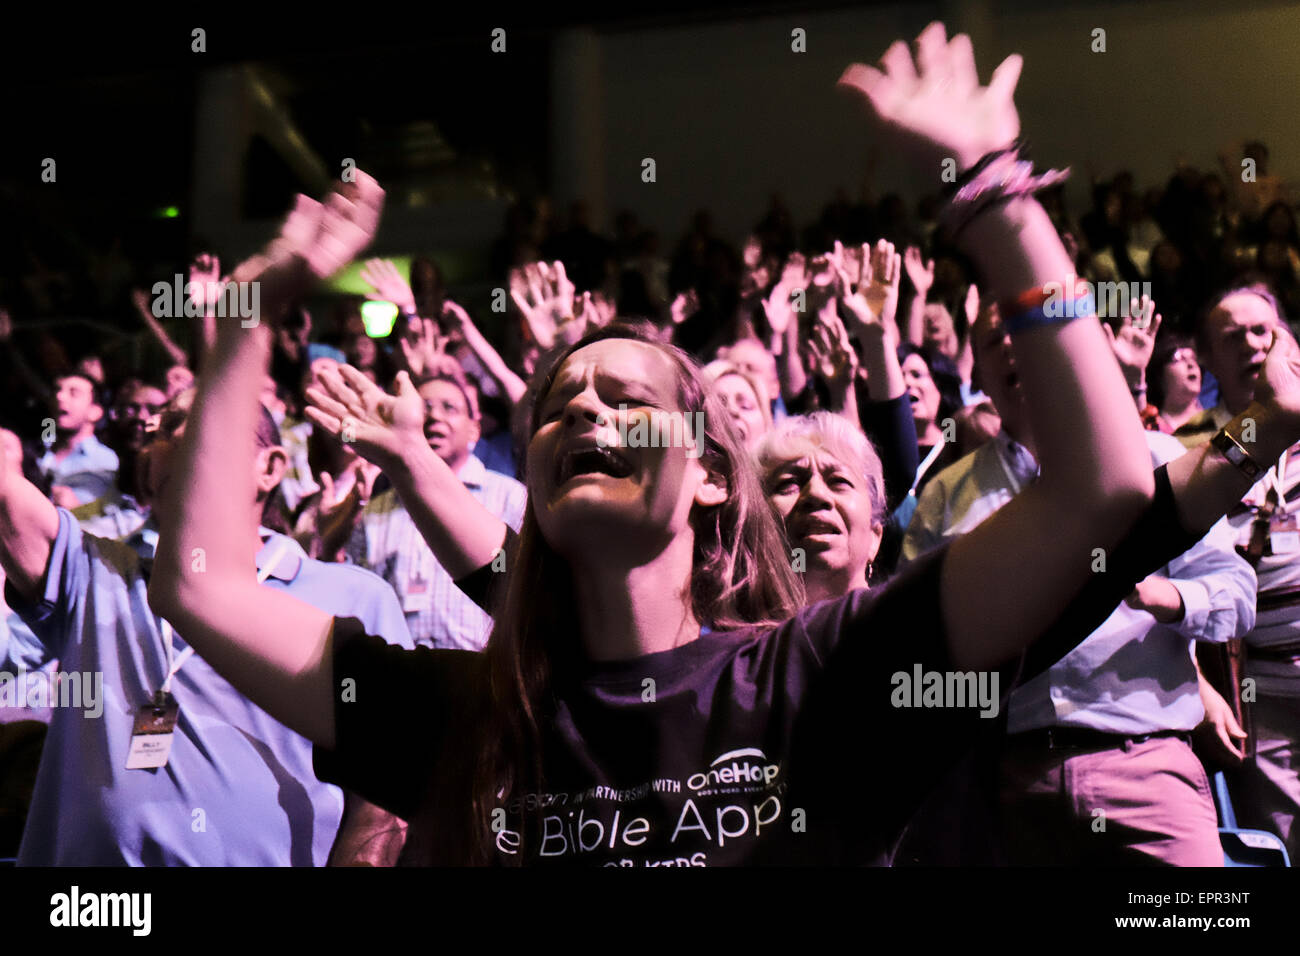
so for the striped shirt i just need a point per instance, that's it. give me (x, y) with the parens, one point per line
(1277, 622)
(387, 542)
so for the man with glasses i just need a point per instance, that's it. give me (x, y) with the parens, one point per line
(387, 541)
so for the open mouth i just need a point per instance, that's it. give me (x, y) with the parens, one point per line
(592, 461)
(813, 528)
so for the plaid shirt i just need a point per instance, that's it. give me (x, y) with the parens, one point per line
(387, 542)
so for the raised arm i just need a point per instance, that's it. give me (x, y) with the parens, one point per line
(29, 524)
(271, 646)
(514, 387)
(1096, 470)
(389, 431)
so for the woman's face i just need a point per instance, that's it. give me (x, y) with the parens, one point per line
(742, 405)
(361, 351)
(615, 463)
(921, 390)
(826, 506)
(1182, 377)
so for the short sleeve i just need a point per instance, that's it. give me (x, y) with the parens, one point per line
(393, 711)
(67, 578)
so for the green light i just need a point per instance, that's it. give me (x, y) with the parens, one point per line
(379, 318)
(168, 212)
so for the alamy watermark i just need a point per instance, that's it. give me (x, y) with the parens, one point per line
(948, 689)
(130, 910)
(658, 429)
(37, 690)
(228, 300)
(1109, 299)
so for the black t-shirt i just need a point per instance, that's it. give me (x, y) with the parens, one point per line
(690, 756)
(812, 741)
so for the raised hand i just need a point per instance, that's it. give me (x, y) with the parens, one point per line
(828, 353)
(544, 295)
(936, 104)
(684, 306)
(388, 285)
(919, 270)
(422, 346)
(328, 235)
(881, 276)
(374, 424)
(1136, 339)
(1278, 388)
(777, 306)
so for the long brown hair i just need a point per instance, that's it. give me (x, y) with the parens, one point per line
(741, 576)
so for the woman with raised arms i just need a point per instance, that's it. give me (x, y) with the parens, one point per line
(652, 693)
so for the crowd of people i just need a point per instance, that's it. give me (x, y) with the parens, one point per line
(461, 595)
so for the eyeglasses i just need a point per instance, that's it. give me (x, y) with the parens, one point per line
(137, 410)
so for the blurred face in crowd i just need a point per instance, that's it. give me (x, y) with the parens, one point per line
(449, 426)
(828, 509)
(751, 357)
(1182, 378)
(921, 391)
(318, 365)
(360, 350)
(158, 458)
(1235, 341)
(292, 333)
(135, 415)
(178, 379)
(995, 363)
(589, 491)
(744, 407)
(75, 408)
(158, 455)
(271, 399)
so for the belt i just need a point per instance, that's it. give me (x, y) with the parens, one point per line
(1085, 738)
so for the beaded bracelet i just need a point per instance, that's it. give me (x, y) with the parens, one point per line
(998, 177)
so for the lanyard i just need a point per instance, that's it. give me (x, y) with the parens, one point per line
(1277, 477)
(925, 466)
(174, 664)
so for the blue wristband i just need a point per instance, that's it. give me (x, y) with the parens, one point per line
(1051, 312)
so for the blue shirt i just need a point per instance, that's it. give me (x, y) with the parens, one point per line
(238, 789)
(388, 542)
(89, 469)
(1132, 675)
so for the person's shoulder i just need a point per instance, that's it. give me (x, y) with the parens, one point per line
(385, 503)
(960, 471)
(117, 555)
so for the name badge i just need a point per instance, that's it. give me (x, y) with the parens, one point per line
(151, 737)
(1283, 534)
(419, 595)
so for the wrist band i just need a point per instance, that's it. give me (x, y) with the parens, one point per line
(1236, 454)
(998, 177)
(1054, 310)
(980, 165)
